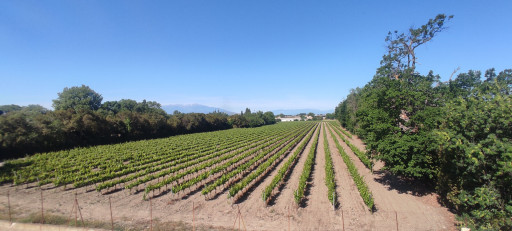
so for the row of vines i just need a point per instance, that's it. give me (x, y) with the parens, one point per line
(215, 162)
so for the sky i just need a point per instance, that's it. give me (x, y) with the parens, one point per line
(265, 55)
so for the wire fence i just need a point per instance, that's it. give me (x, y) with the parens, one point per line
(243, 219)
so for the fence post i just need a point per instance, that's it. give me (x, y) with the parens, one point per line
(396, 218)
(342, 220)
(76, 210)
(9, 206)
(150, 215)
(333, 200)
(111, 217)
(42, 208)
(193, 217)
(289, 219)
(79, 211)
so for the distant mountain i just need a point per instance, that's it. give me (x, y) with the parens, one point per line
(189, 108)
(298, 111)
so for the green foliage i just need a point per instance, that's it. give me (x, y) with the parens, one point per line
(78, 98)
(329, 172)
(8, 108)
(285, 169)
(455, 133)
(475, 150)
(262, 167)
(135, 163)
(251, 120)
(306, 171)
(363, 189)
(401, 46)
(361, 155)
(81, 120)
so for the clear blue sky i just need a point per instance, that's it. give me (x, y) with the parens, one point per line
(234, 54)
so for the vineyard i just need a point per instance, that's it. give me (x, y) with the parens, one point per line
(279, 164)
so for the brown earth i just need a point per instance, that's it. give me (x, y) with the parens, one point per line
(397, 202)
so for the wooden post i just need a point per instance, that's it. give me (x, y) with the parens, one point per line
(76, 210)
(289, 219)
(111, 217)
(42, 208)
(193, 217)
(150, 215)
(236, 218)
(9, 206)
(342, 220)
(333, 200)
(80, 212)
(396, 219)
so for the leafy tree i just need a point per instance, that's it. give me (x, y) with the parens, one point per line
(269, 117)
(9, 108)
(456, 134)
(475, 155)
(401, 46)
(329, 116)
(78, 98)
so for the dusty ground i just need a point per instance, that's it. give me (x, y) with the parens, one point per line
(411, 207)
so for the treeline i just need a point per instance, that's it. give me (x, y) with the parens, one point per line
(457, 134)
(81, 119)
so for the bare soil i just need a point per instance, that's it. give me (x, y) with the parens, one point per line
(398, 202)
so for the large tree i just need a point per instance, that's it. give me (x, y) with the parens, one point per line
(78, 98)
(475, 154)
(402, 46)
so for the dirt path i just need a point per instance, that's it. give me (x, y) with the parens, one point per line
(255, 205)
(317, 201)
(355, 212)
(286, 198)
(414, 211)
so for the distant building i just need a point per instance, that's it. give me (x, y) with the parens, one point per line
(289, 118)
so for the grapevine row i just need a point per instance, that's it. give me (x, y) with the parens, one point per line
(306, 172)
(266, 165)
(174, 178)
(239, 156)
(329, 172)
(336, 124)
(363, 189)
(361, 155)
(285, 169)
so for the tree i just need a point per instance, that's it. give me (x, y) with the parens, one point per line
(475, 153)
(78, 98)
(401, 47)
(269, 117)
(9, 108)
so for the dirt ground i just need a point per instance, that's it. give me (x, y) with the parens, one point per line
(400, 205)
